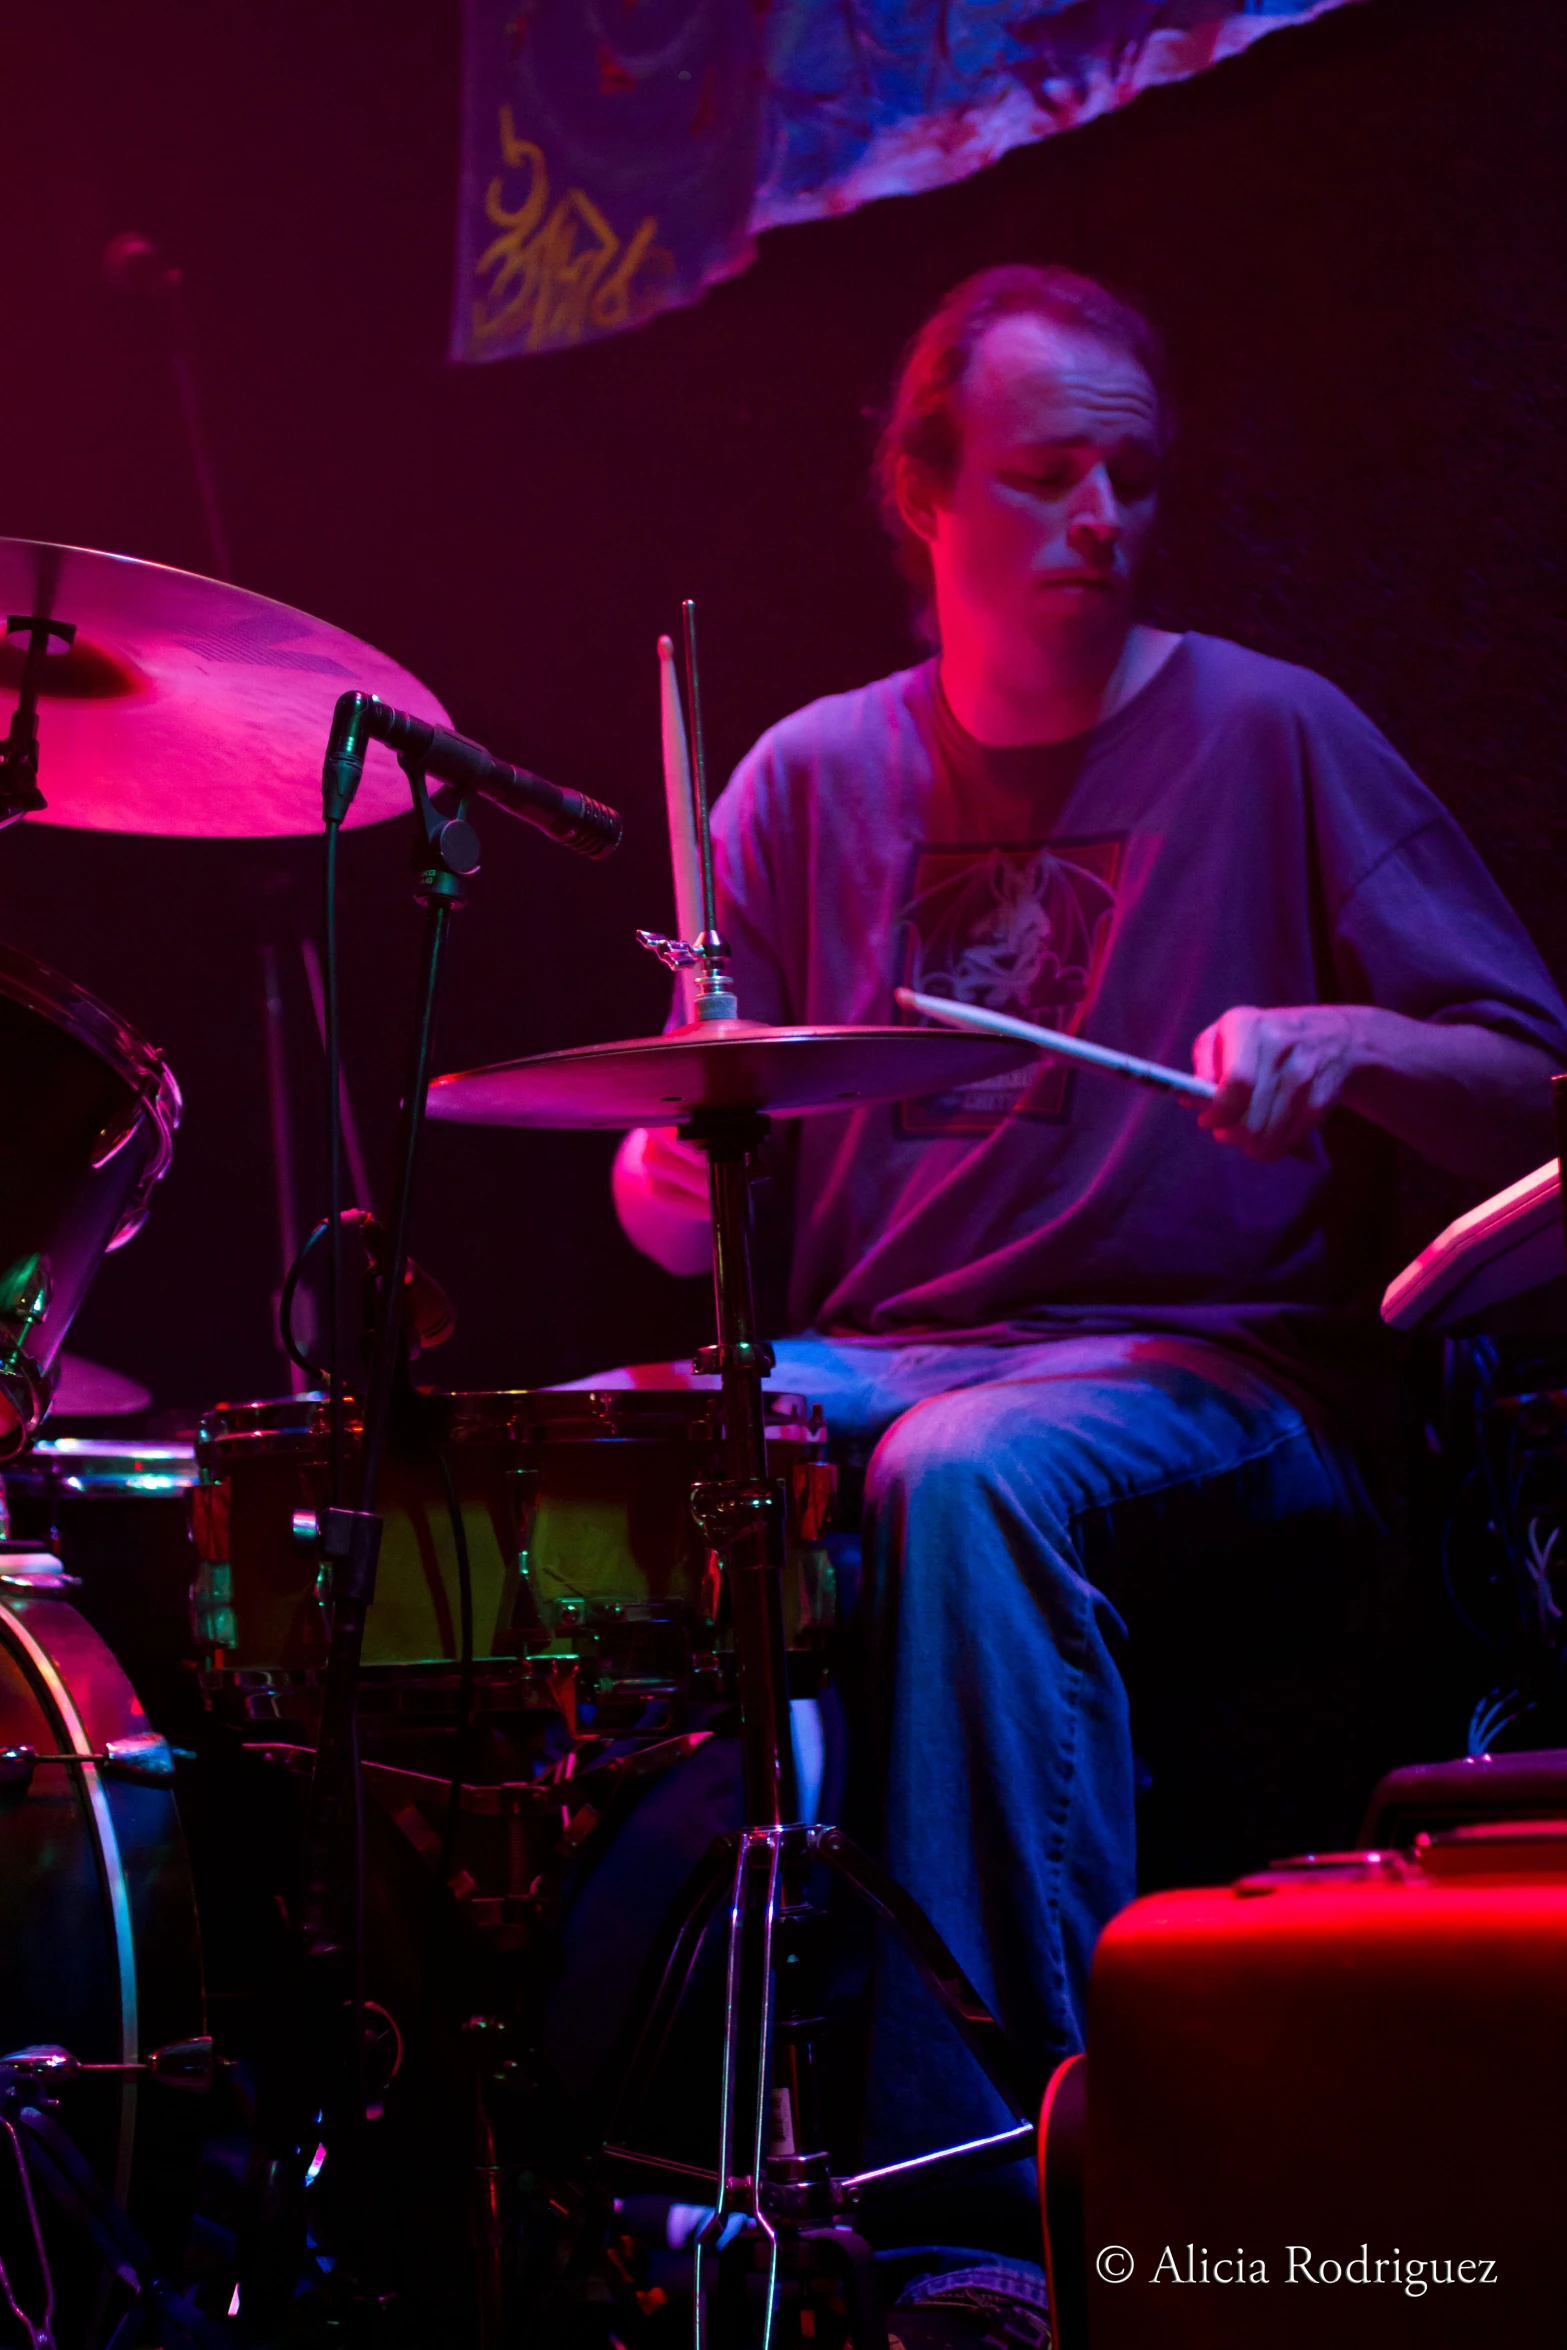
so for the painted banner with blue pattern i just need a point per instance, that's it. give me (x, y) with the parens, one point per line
(619, 156)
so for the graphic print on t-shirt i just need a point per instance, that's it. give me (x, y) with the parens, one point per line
(1020, 927)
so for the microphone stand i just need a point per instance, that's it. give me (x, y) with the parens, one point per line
(446, 855)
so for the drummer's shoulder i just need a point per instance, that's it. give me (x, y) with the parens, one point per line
(840, 735)
(1236, 678)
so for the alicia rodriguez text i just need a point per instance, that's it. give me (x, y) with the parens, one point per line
(1193, 2265)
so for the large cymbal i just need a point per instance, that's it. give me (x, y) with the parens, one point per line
(186, 706)
(732, 1064)
(91, 1391)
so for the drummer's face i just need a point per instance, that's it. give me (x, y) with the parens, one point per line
(1044, 526)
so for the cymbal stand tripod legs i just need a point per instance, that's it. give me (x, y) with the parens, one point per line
(774, 2171)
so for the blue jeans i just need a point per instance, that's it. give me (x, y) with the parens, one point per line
(1023, 1502)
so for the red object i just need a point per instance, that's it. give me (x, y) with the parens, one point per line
(1329, 2104)
(706, 114)
(615, 79)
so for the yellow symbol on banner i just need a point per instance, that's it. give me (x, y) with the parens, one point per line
(554, 279)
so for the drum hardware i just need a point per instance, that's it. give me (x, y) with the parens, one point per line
(144, 1758)
(19, 792)
(190, 2065)
(396, 1703)
(52, 2158)
(773, 2169)
(25, 1567)
(506, 1879)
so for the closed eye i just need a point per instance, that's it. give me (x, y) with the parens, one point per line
(1050, 482)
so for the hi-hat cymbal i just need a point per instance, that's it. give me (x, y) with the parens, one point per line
(728, 1064)
(186, 706)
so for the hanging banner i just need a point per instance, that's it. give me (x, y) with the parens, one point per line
(620, 156)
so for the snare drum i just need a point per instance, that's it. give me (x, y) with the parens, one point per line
(576, 1508)
(89, 1131)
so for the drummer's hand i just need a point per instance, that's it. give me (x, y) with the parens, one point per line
(674, 1172)
(660, 1189)
(1278, 1073)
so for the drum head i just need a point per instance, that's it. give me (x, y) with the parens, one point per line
(138, 1075)
(91, 1111)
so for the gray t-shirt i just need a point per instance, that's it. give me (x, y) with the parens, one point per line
(1239, 833)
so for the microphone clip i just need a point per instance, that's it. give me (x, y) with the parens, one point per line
(446, 846)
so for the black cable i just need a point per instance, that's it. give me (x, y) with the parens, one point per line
(465, 1668)
(320, 1373)
(334, 1173)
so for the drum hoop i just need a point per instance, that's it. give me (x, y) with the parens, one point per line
(519, 1416)
(111, 1867)
(84, 1016)
(101, 1466)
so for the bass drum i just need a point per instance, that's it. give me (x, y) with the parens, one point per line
(91, 1111)
(99, 1948)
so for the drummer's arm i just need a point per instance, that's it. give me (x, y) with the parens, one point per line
(660, 1192)
(1468, 1098)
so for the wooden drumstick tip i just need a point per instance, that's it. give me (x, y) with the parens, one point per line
(666, 648)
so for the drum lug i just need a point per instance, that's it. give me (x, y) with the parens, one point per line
(145, 1757)
(192, 2065)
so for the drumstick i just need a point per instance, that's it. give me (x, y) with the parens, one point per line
(1050, 1040)
(683, 855)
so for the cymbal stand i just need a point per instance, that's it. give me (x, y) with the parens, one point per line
(773, 2168)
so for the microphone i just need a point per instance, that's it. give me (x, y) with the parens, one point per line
(569, 817)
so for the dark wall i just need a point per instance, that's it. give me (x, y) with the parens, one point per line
(1351, 236)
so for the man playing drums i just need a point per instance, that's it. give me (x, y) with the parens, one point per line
(1088, 1343)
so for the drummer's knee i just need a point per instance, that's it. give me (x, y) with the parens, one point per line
(964, 1478)
(942, 1454)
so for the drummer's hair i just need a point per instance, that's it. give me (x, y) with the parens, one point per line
(923, 426)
